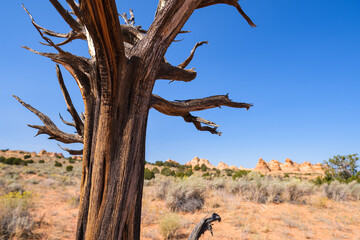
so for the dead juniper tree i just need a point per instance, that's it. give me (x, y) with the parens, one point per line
(116, 84)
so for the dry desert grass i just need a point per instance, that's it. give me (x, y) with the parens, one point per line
(251, 208)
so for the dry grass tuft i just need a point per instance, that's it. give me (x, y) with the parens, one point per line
(15, 219)
(169, 225)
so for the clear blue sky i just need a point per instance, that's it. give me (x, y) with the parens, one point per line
(299, 67)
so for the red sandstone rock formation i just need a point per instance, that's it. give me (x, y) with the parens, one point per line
(274, 166)
(197, 161)
(262, 166)
(222, 166)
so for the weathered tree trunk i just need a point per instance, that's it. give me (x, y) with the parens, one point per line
(116, 84)
(114, 161)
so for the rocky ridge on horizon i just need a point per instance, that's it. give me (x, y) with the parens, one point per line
(289, 166)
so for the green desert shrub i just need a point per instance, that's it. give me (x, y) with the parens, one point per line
(186, 195)
(29, 161)
(172, 164)
(169, 225)
(148, 174)
(197, 168)
(72, 161)
(229, 172)
(180, 174)
(239, 174)
(159, 163)
(41, 161)
(57, 164)
(167, 172)
(203, 167)
(155, 170)
(15, 219)
(14, 161)
(188, 172)
(206, 175)
(69, 168)
(2, 159)
(27, 156)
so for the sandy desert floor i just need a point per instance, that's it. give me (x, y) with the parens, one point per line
(56, 196)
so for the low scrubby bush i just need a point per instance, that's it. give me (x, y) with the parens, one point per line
(155, 170)
(256, 188)
(148, 174)
(72, 161)
(186, 195)
(41, 161)
(15, 219)
(29, 161)
(339, 191)
(163, 188)
(167, 172)
(27, 156)
(240, 174)
(216, 184)
(203, 167)
(57, 164)
(69, 168)
(13, 161)
(197, 168)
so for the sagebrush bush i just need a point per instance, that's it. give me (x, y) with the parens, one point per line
(27, 156)
(69, 168)
(169, 224)
(296, 190)
(41, 161)
(341, 191)
(219, 183)
(186, 195)
(72, 161)
(162, 189)
(15, 219)
(256, 188)
(57, 164)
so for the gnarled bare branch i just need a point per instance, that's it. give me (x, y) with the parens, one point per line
(50, 128)
(79, 125)
(71, 124)
(204, 225)
(66, 16)
(188, 60)
(78, 67)
(167, 71)
(234, 3)
(71, 151)
(184, 107)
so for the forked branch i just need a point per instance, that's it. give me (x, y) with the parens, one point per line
(190, 57)
(50, 128)
(79, 125)
(184, 107)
